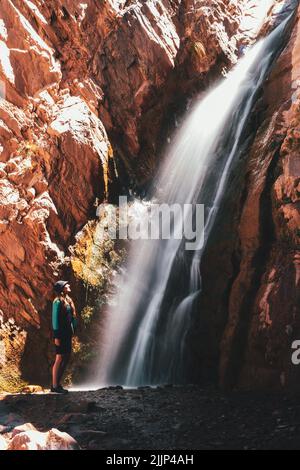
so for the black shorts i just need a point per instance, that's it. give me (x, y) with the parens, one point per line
(65, 346)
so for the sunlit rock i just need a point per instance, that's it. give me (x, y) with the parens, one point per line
(35, 440)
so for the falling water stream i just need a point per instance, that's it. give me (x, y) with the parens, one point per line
(145, 335)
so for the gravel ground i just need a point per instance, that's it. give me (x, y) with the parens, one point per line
(169, 418)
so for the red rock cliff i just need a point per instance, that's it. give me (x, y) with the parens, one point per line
(88, 90)
(269, 239)
(250, 307)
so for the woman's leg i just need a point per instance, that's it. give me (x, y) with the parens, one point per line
(64, 363)
(56, 370)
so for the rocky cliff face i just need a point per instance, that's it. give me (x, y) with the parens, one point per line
(251, 304)
(89, 91)
(265, 292)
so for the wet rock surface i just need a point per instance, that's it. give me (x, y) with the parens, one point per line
(250, 307)
(163, 418)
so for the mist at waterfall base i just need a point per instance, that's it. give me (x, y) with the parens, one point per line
(144, 342)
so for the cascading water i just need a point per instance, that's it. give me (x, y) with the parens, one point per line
(144, 341)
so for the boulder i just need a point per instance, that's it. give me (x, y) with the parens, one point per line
(35, 440)
(3, 443)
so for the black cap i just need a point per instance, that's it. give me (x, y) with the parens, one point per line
(59, 286)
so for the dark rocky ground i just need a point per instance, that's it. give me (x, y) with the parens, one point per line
(164, 418)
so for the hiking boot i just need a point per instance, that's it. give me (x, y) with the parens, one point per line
(64, 390)
(58, 390)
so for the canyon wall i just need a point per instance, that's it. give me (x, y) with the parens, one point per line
(264, 299)
(85, 88)
(89, 93)
(249, 312)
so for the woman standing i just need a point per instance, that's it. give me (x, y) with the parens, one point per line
(63, 325)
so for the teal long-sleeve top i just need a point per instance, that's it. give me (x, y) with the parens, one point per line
(63, 321)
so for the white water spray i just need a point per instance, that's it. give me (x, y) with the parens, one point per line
(145, 338)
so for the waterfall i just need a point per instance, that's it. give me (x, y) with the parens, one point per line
(145, 334)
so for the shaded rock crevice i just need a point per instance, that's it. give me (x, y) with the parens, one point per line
(259, 261)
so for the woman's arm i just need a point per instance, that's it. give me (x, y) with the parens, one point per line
(74, 316)
(56, 306)
(73, 307)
